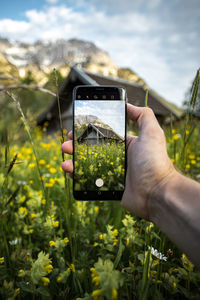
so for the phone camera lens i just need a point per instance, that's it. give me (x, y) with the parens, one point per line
(79, 97)
(104, 96)
(87, 97)
(95, 97)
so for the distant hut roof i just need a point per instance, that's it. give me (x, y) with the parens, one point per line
(136, 95)
(104, 132)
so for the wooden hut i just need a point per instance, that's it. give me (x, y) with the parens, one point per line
(94, 134)
(163, 109)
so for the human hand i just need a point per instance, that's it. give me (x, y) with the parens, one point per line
(147, 161)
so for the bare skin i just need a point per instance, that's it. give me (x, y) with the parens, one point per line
(154, 189)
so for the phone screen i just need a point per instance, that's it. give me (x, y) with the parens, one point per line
(99, 145)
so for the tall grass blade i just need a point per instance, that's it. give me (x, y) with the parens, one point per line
(18, 106)
(195, 88)
(146, 98)
(12, 164)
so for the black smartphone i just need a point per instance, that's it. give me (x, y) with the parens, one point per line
(99, 142)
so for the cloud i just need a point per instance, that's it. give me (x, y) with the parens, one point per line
(52, 1)
(11, 28)
(158, 40)
(109, 113)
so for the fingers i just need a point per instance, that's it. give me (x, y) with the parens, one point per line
(67, 166)
(144, 117)
(67, 147)
(130, 138)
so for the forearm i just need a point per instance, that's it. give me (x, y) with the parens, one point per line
(174, 207)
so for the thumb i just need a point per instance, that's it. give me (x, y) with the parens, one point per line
(144, 117)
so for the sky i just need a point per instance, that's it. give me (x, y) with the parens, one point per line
(158, 39)
(109, 112)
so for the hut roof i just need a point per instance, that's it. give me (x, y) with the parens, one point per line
(136, 95)
(104, 132)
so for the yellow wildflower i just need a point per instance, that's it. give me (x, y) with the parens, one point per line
(23, 211)
(191, 156)
(1, 260)
(101, 236)
(43, 201)
(187, 166)
(127, 241)
(72, 267)
(114, 294)
(173, 131)
(96, 280)
(16, 292)
(59, 279)
(96, 293)
(20, 273)
(48, 268)
(45, 281)
(66, 240)
(52, 181)
(32, 165)
(94, 272)
(96, 209)
(95, 244)
(52, 170)
(33, 216)
(115, 232)
(56, 224)
(30, 231)
(193, 161)
(175, 137)
(48, 184)
(174, 285)
(115, 242)
(42, 162)
(52, 243)
(172, 160)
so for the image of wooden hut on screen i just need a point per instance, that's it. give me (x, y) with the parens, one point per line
(94, 135)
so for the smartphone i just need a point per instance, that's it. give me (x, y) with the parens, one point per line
(99, 142)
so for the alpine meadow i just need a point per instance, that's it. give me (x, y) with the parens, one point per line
(54, 247)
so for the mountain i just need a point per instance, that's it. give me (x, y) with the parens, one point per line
(55, 54)
(86, 119)
(41, 57)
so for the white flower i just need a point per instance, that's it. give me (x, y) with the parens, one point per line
(20, 182)
(46, 175)
(14, 242)
(158, 254)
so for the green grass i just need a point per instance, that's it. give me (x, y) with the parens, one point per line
(53, 247)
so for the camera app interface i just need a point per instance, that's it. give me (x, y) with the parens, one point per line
(99, 137)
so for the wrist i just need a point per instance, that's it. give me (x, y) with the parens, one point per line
(159, 199)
